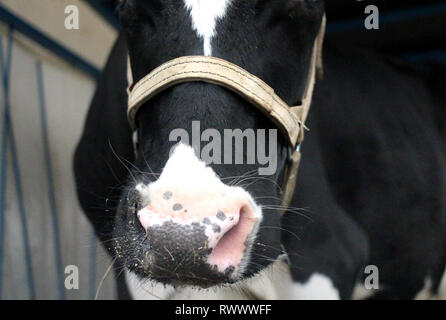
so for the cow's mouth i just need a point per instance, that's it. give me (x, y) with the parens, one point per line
(200, 275)
(188, 261)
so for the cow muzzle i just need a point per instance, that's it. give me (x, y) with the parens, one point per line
(199, 231)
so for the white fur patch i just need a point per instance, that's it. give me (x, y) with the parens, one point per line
(269, 284)
(184, 169)
(360, 292)
(318, 287)
(204, 14)
(442, 287)
(147, 290)
(426, 292)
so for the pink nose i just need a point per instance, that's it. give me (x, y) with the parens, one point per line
(213, 227)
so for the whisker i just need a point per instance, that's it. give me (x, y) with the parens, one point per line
(261, 178)
(295, 211)
(268, 246)
(103, 278)
(148, 166)
(149, 292)
(122, 162)
(236, 178)
(139, 170)
(282, 229)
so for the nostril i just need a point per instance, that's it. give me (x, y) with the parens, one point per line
(229, 250)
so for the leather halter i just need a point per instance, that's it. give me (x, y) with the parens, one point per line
(289, 119)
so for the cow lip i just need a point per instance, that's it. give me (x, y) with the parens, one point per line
(181, 281)
(191, 281)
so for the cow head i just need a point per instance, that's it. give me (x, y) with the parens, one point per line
(185, 220)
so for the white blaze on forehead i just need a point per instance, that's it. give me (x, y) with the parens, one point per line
(204, 14)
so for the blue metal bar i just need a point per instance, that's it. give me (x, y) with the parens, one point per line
(92, 266)
(48, 43)
(4, 156)
(388, 18)
(50, 181)
(9, 133)
(21, 203)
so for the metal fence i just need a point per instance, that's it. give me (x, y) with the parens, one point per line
(12, 178)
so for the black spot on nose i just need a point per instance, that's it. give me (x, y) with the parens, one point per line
(177, 207)
(221, 215)
(167, 195)
(206, 221)
(229, 270)
(216, 228)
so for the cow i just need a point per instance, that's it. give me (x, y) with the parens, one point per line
(370, 189)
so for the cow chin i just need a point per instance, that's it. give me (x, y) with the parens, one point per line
(187, 228)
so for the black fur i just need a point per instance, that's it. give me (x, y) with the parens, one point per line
(380, 133)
